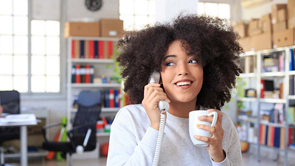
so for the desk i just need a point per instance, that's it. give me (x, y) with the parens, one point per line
(23, 139)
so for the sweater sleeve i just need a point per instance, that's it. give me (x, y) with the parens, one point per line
(233, 155)
(125, 149)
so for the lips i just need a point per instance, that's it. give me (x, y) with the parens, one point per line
(183, 84)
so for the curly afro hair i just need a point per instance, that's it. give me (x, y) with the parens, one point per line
(212, 40)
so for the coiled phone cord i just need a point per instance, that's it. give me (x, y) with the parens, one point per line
(160, 138)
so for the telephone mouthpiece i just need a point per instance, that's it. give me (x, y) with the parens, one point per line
(163, 106)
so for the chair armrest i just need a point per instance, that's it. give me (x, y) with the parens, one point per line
(44, 128)
(70, 133)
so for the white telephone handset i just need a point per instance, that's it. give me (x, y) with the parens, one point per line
(163, 106)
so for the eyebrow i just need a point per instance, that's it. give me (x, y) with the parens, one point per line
(168, 56)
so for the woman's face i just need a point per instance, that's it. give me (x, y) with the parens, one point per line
(182, 74)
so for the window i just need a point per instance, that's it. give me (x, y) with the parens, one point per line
(221, 10)
(35, 71)
(137, 13)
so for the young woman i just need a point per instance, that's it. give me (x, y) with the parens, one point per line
(197, 59)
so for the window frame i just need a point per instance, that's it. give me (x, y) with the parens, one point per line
(43, 95)
(230, 2)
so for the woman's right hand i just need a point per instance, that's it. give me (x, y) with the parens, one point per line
(153, 93)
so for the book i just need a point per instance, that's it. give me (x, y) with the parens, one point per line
(96, 48)
(105, 49)
(73, 74)
(91, 73)
(87, 74)
(73, 49)
(116, 98)
(77, 49)
(277, 136)
(91, 49)
(112, 98)
(78, 78)
(100, 50)
(110, 49)
(291, 61)
(86, 49)
(283, 138)
(82, 47)
(107, 99)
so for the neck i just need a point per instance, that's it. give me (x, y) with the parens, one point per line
(182, 109)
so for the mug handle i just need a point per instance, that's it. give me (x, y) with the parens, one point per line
(215, 115)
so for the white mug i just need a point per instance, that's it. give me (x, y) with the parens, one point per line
(194, 130)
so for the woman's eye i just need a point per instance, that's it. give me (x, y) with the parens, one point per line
(169, 63)
(193, 61)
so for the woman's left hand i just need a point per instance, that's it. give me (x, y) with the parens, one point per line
(215, 142)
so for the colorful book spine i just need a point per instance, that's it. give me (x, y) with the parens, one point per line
(266, 135)
(96, 48)
(110, 49)
(105, 49)
(73, 74)
(116, 99)
(78, 78)
(73, 49)
(283, 138)
(291, 62)
(107, 99)
(82, 73)
(77, 49)
(112, 98)
(82, 49)
(91, 73)
(277, 136)
(86, 49)
(87, 79)
(100, 50)
(91, 49)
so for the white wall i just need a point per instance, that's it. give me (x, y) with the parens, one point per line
(259, 10)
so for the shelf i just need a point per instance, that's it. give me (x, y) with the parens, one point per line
(250, 119)
(272, 50)
(273, 124)
(249, 53)
(246, 75)
(291, 72)
(83, 85)
(272, 74)
(250, 99)
(41, 153)
(103, 61)
(93, 38)
(273, 100)
(291, 97)
(102, 134)
(102, 110)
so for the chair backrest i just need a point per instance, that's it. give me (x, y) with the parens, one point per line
(10, 101)
(89, 108)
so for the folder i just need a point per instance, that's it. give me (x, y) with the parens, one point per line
(100, 50)
(96, 48)
(110, 50)
(86, 49)
(73, 74)
(82, 49)
(112, 98)
(77, 49)
(73, 49)
(91, 49)
(78, 78)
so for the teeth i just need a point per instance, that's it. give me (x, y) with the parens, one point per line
(183, 83)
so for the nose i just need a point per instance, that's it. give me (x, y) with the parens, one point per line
(183, 70)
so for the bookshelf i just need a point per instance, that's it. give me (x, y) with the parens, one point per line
(253, 78)
(101, 66)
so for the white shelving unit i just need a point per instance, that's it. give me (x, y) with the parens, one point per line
(260, 75)
(74, 88)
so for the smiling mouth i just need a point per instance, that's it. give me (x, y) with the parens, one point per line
(183, 84)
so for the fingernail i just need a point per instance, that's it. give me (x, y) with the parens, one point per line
(198, 125)
(197, 137)
(201, 117)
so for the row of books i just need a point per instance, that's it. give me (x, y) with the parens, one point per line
(274, 115)
(92, 49)
(82, 73)
(275, 136)
(273, 63)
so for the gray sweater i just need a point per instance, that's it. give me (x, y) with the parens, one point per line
(133, 141)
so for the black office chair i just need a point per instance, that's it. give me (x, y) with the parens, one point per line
(10, 101)
(83, 134)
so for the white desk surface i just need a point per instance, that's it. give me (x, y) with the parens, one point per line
(18, 124)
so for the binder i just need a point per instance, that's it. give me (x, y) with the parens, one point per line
(283, 138)
(107, 101)
(290, 139)
(91, 73)
(110, 50)
(87, 77)
(119, 98)
(96, 48)
(82, 49)
(82, 73)
(277, 137)
(112, 98)
(77, 49)
(91, 49)
(73, 74)
(86, 49)
(116, 99)
(78, 78)
(100, 50)
(291, 62)
(105, 49)
(266, 135)
(262, 88)
(269, 133)
(73, 49)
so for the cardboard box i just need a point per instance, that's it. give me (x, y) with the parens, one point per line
(284, 38)
(254, 27)
(241, 29)
(262, 41)
(291, 9)
(281, 26)
(274, 11)
(81, 29)
(111, 28)
(291, 23)
(282, 15)
(246, 43)
(265, 23)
